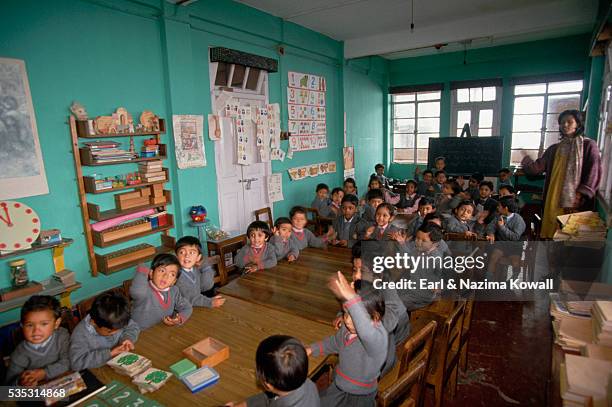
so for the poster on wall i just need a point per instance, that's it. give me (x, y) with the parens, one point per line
(306, 111)
(275, 187)
(188, 141)
(312, 170)
(22, 170)
(348, 156)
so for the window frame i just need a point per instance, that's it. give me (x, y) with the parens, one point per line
(475, 108)
(604, 141)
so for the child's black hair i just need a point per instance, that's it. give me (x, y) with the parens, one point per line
(295, 210)
(188, 241)
(166, 259)
(281, 361)
(350, 198)
(478, 177)
(509, 187)
(356, 250)
(350, 181)
(440, 158)
(41, 303)
(427, 200)
(336, 190)
(371, 298)
(375, 194)
(428, 172)
(413, 182)
(388, 207)
(379, 165)
(510, 203)
(372, 179)
(504, 171)
(110, 310)
(454, 186)
(434, 231)
(465, 203)
(259, 225)
(487, 184)
(282, 221)
(322, 186)
(439, 172)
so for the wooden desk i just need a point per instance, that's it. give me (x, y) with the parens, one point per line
(226, 248)
(298, 288)
(239, 324)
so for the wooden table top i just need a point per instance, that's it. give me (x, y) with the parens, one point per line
(298, 288)
(240, 325)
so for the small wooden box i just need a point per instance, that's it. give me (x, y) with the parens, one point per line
(157, 200)
(208, 352)
(145, 192)
(157, 189)
(126, 196)
(131, 203)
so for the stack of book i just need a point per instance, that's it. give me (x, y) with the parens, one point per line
(585, 227)
(572, 330)
(151, 380)
(151, 171)
(107, 151)
(602, 323)
(66, 277)
(585, 381)
(149, 151)
(129, 364)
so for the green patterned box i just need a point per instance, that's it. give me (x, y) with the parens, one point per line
(182, 367)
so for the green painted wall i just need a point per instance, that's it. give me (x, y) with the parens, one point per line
(148, 54)
(568, 54)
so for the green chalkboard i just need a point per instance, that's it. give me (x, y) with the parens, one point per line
(467, 155)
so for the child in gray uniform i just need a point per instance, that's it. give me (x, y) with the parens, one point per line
(43, 354)
(361, 345)
(305, 238)
(196, 276)
(283, 241)
(383, 229)
(343, 231)
(321, 200)
(281, 364)
(258, 254)
(156, 298)
(104, 333)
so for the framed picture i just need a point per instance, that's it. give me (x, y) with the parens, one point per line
(22, 171)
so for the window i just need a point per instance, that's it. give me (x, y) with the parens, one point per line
(479, 107)
(415, 119)
(604, 138)
(239, 77)
(536, 110)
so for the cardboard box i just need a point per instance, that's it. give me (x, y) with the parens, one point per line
(209, 352)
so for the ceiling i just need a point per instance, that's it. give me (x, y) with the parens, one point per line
(382, 27)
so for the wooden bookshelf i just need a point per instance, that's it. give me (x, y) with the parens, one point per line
(99, 239)
(37, 247)
(88, 160)
(167, 246)
(97, 215)
(50, 287)
(90, 184)
(82, 130)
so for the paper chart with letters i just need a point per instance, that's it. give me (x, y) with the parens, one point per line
(306, 111)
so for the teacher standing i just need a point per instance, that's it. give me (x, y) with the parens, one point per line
(573, 171)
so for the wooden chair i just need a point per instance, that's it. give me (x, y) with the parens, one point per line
(221, 273)
(444, 367)
(323, 375)
(465, 333)
(312, 215)
(268, 216)
(409, 374)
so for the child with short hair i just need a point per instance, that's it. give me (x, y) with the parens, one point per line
(283, 241)
(506, 190)
(426, 205)
(343, 231)
(485, 206)
(388, 196)
(474, 186)
(440, 163)
(379, 172)
(104, 333)
(451, 195)
(504, 177)
(509, 227)
(333, 210)
(426, 186)
(321, 200)
(462, 220)
(281, 366)
(383, 229)
(155, 296)
(196, 277)
(409, 199)
(43, 353)
(373, 198)
(440, 179)
(304, 237)
(361, 344)
(257, 254)
(350, 186)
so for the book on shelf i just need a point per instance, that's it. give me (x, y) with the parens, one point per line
(584, 381)
(154, 179)
(66, 277)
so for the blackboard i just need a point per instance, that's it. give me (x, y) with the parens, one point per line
(467, 155)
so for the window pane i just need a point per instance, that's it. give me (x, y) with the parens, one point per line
(408, 97)
(551, 138)
(488, 93)
(253, 79)
(485, 118)
(475, 94)
(463, 117)
(485, 132)
(222, 72)
(403, 154)
(517, 155)
(401, 140)
(430, 109)
(422, 155)
(423, 139)
(403, 110)
(558, 103)
(429, 125)
(428, 95)
(238, 77)
(527, 122)
(569, 86)
(403, 125)
(526, 140)
(463, 95)
(526, 105)
(551, 123)
(530, 89)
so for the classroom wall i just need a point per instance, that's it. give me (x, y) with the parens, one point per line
(567, 54)
(149, 54)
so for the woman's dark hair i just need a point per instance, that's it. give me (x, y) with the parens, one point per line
(110, 310)
(371, 298)
(166, 259)
(434, 231)
(41, 303)
(188, 241)
(282, 362)
(282, 221)
(578, 116)
(259, 225)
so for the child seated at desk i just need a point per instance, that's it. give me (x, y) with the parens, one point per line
(383, 229)
(155, 296)
(504, 177)
(196, 276)
(350, 186)
(509, 227)
(425, 187)
(440, 179)
(304, 237)
(408, 202)
(43, 353)
(485, 206)
(104, 333)
(379, 172)
(452, 195)
(343, 231)
(333, 210)
(257, 254)
(506, 190)
(373, 198)
(283, 241)
(361, 344)
(474, 186)
(426, 205)
(281, 366)
(462, 220)
(321, 200)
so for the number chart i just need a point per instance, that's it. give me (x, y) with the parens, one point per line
(306, 111)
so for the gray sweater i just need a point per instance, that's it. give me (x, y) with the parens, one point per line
(284, 249)
(265, 257)
(53, 357)
(512, 230)
(306, 395)
(346, 229)
(384, 234)
(320, 204)
(414, 225)
(192, 283)
(150, 306)
(360, 357)
(306, 239)
(89, 349)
